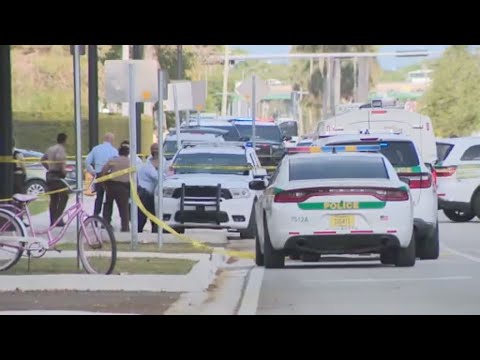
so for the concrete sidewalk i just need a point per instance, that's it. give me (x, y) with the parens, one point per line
(41, 222)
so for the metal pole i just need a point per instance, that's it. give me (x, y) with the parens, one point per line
(225, 82)
(254, 102)
(161, 80)
(355, 79)
(138, 55)
(133, 149)
(125, 56)
(177, 116)
(6, 123)
(78, 132)
(92, 96)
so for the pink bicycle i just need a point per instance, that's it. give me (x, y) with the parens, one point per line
(96, 246)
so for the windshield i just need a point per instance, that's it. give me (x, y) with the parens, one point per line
(443, 150)
(207, 163)
(338, 167)
(169, 149)
(399, 153)
(271, 133)
(289, 128)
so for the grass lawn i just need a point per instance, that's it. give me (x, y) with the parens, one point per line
(166, 248)
(38, 206)
(123, 265)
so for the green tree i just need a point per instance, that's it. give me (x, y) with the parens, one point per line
(452, 99)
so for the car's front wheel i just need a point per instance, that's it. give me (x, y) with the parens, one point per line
(35, 187)
(459, 216)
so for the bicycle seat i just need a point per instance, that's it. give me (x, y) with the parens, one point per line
(24, 198)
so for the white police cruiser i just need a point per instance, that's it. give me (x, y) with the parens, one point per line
(404, 155)
(458, 177)
(208, 187)
(334, 202)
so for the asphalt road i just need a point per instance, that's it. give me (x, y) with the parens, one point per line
(449, 285)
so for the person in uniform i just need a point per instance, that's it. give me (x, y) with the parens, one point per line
(19, 172)
(54, 160)
(147, 182)
(96, 160)
(118, 188)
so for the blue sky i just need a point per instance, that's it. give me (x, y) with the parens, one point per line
(387, 63)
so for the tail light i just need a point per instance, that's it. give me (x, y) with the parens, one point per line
(445, 171)
(300, 195)
(419, 181)
(69, 168)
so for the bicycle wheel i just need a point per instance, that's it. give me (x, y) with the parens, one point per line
(11, 250)
(97, 246)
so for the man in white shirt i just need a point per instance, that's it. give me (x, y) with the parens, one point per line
(96, 160)
(147, 176)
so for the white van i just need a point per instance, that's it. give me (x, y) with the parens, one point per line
(380, 120)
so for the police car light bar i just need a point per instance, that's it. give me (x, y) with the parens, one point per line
(333, 149)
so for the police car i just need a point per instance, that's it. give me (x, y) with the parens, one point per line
(458, 177)
(329, 201)
(405, 157)
(207, 187)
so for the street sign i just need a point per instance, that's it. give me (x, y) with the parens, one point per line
(145, 80)
(261, 89)
(184, 96)
(199, 95)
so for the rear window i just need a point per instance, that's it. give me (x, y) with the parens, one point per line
(232, 135)
(399, 153)
(338, 167)
(207, 163)
(443, 150)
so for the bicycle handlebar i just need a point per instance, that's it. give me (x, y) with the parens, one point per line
(70, 188)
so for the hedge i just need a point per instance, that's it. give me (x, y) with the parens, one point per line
(38, 131)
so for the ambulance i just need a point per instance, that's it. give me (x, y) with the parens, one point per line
(378, 119)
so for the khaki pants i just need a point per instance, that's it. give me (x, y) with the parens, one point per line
(118, 192)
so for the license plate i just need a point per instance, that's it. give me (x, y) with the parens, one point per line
(342, 221)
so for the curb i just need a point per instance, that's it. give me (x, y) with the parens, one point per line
(198, 279)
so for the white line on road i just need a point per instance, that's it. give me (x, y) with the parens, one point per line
(391, 279)
(252, 292)
(466, 256)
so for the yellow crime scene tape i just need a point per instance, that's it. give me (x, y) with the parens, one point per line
(149, 215)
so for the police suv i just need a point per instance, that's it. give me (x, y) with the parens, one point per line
(458, 177)
(328, 201)
(207, 187)
(403, 154)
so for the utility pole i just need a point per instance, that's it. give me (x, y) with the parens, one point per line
(92, 96)
(6, 123)
(226, 67)
(138, 55)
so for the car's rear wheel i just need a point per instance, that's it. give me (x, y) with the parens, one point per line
(274, 259)
(387, 256)
(249, 232)
(458, 216)
(476, 203)
(430, 246)
(405, 257)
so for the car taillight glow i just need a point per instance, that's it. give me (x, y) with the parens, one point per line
(301, 195)
(418, 181)
(445, 171)
(379, 111)
(69, 168)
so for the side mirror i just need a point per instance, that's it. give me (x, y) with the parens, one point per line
(244, 138)
(257, 185)
(259, 173)
(406, 180)
(287, 138)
